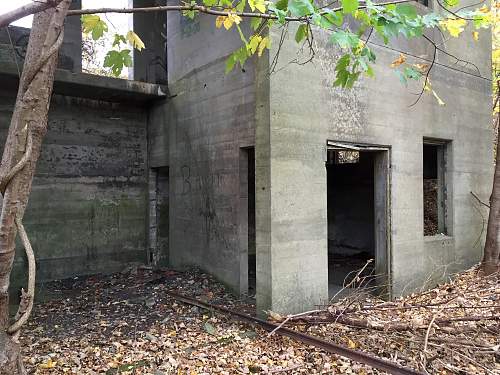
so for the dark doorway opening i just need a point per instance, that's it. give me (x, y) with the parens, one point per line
(247, 222)
(252, 274)
(357, 192)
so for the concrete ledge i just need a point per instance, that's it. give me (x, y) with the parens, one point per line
(82, 85)
(438, 238)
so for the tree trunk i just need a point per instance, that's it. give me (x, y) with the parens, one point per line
(22, 149)
(491, 257)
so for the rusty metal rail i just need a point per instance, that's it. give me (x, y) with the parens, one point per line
(330, 347)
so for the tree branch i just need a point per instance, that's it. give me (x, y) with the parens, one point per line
(26, 10)
(206, 10)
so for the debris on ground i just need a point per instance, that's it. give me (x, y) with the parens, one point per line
(127, 324)
(451, 329)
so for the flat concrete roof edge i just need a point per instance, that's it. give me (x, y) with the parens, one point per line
(90, 86)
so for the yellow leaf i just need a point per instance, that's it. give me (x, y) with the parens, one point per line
(496, 55)
(400, 60)
(422, 68)
(454, 26)
(439, 100)
(484, 9)
(236, 19)
(49, 364)
(228, 22)
(260, 5)
(134, 40)
(219, 21)
(275, 316)
(475, 35)
(264, 43)
(351, 344)
(254, 43)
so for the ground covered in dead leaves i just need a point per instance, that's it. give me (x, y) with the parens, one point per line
(127, 324)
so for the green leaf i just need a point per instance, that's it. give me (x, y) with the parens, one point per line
(118, 38)
(431, 19)
(116, 60)
(239, 56)
(351, 79)
(451, 3)
(327, 21)
(349, 6)
(255, 23)
(240, 7)
(342, 77)
(281, 14)
(412, 73)
(92, 23)
(281, 4)
(230, 63)
(406, 10)
(127, 58)
(210, 3)
(300, 8)
(301, 33)
(190, 13)
(345, 39)
(343, 63)
(402, 77)
(334, 17)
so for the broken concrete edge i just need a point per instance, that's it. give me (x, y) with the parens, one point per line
(90, 86)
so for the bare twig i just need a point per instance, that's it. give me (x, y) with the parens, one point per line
(353, 280)
(292, 317)
(479, 200)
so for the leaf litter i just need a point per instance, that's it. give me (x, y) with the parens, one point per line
(127, 324)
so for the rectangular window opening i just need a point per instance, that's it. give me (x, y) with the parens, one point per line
(434, 188)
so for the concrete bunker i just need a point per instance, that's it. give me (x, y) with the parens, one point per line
(357, 196)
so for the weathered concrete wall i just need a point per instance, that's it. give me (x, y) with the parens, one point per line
(211, 116)
(306, 111)
(150, 64)
(87, 212)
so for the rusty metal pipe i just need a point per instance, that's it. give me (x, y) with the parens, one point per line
(330, 347)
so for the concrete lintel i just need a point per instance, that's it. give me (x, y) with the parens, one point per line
(91, 86)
